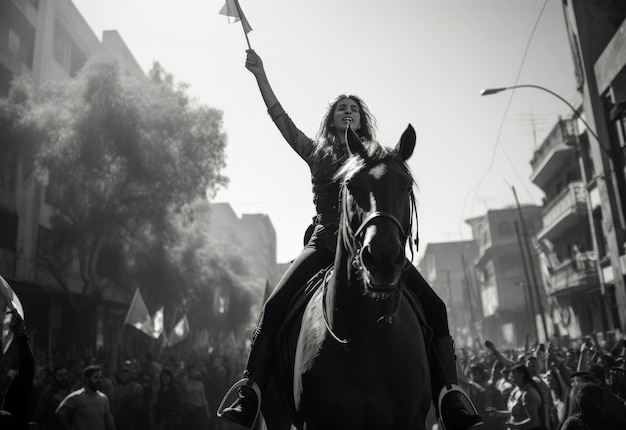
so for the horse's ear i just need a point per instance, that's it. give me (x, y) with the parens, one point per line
(405, 147)
(353, 141)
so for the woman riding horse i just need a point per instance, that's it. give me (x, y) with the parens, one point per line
(324, 158)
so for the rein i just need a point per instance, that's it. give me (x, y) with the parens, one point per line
(353, 342)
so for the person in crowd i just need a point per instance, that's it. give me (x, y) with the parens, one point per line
(14, 407)
(617, 381)
(146, 417)
(195, 413)
(484, 395)
(613, 406)
(500, 379)
(534, 368)
(77, 367)
(128, 400)
(525, 404)
(87, 408)
(576, 380)
(324, 157)
(558, 392)
(591, 416)
(51, 399)
(167, 412)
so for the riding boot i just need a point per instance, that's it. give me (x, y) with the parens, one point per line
(454, 409)
(245, 409)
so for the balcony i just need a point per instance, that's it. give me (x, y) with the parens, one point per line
(574, 275)
(557, 151)
(565, 211)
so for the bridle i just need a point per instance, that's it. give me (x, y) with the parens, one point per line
(353, 244)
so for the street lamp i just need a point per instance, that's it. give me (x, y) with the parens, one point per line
(614, 154)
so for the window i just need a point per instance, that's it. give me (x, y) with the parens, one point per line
(13, 43)
(62, 46)
(66, 51)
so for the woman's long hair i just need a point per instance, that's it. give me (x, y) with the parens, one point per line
(162, 387)
(528, 379)
(327, 139)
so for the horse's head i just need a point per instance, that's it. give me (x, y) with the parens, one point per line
(378, 208)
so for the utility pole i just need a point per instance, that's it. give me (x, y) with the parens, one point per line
(450, 307)
(531, 266)
(468, 292)
(530, 307)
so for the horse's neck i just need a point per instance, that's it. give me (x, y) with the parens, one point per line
(349, 310)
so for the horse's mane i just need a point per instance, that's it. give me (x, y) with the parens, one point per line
(373, 153)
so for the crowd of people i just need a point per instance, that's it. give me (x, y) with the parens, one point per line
(579, 384)
(111, 392)
(553, 386)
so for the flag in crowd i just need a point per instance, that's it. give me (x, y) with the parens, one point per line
(179, 332)
(9, 302)
(157, 323)
(138, 315)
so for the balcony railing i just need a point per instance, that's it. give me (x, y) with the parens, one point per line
(561, 134)
(580, 271)
(570, 201)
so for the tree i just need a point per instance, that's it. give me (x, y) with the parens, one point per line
(120, 155)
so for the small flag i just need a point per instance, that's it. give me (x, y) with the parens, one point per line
(138, 315)
(179, 332)
(8, 302)
(232, 9)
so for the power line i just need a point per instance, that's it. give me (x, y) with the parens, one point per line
(500, 127)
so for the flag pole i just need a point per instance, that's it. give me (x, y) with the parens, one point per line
(242, 19)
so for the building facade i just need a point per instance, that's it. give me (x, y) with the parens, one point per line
(596, 31)
(254, 234)
(512, 296)
(572, 245)
(446, 266)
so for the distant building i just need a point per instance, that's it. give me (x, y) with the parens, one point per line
(506, 283)
(447, 267)
(253, 233)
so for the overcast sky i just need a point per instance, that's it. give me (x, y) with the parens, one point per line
(412, 61)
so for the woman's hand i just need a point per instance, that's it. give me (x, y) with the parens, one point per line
(254, 63)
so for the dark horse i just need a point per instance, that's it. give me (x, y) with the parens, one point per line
(357, 359)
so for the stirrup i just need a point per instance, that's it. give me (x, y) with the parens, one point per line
(445, 391)
(245, 382)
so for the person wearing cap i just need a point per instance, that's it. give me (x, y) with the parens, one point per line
(575, 381)
(614, 406)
